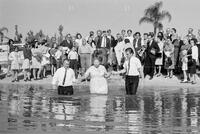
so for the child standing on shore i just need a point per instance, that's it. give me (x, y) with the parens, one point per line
(184, 66)
(14, 57)
(73, 58)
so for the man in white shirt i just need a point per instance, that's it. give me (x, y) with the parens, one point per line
(133, 69)
(64, 78)
(130, 36)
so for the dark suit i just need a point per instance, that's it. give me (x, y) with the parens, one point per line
(107, 42)
(112, 41)
(137, 46)
(150, 59)
(67, 43)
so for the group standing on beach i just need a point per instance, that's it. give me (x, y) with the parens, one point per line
(155, 55)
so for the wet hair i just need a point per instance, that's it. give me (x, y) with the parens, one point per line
(127, 41)
(130, 50)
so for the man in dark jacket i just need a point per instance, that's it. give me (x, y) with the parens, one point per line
(151, 51)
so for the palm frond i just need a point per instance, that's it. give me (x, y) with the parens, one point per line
(165, 14)
(145, 19)
(153, 9)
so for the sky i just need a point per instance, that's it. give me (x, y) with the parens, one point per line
(86, 15)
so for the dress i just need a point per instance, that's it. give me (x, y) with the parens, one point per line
(98, 83)
(169, 52)
(159, 61)
(119, 51)
(36, 58)
(14, 57)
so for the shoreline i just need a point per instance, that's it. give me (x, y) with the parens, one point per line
(114, 81)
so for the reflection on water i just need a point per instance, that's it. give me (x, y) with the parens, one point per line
(28, 109)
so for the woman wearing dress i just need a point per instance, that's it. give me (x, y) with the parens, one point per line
(98, 75)
(194, 59)
(169, 53)
(119, 49)
(14, 57)
(36, 61)
(26, 63)
(159, 60)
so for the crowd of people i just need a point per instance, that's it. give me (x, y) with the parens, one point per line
(162, 54)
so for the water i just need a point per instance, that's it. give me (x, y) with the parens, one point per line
(37, 109)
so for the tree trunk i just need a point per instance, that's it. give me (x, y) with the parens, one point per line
(155, 30)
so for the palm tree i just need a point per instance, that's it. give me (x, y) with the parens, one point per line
(2, 33)
(60, 30)
(153, 15)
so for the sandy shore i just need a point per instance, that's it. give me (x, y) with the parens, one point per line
(117, 81)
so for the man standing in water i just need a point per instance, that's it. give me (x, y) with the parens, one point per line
(64, 78)
(133, 71)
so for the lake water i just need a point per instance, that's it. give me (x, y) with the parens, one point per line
(38, 109)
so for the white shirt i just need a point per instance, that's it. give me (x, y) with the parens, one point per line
(103, 42)
(195, 53)
(134, 66)
(58, 54)
(130, 39)
(59, 77)
(79, 42)
(73, 55)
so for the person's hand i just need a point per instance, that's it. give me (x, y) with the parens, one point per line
(77, 81)
(142, 83)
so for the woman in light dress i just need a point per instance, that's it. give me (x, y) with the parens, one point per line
(14, 57)
(36, 61)
(98, 75)
(159, 60)
(119, 49)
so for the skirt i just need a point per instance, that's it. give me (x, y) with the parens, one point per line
(26, 64)
(192, 68)
(98, 85)
(35, 63)
(159, 61)
(184, 66)
(15, 65)
(45, 61)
